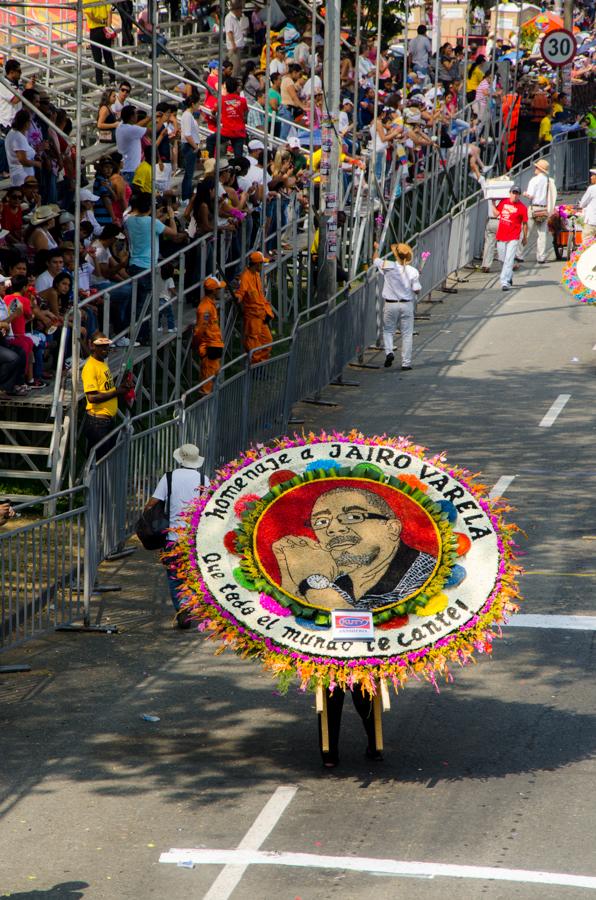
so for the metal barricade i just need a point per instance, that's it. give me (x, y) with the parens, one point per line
(150, 454)
(435, 240)
(311, 361)
(41, 570)
(266, 394)
(578, 164)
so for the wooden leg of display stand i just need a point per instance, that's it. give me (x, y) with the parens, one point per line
(377, 711)
(321, 707)
(385, 701)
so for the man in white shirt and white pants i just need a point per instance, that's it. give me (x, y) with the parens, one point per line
(401, 283)
(588, 204)
(542, 194)
(186, 483)
(236, 28)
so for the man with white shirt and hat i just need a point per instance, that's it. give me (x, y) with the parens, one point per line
(176, 489)
(401, 283)
(588, 204)
(542, 194)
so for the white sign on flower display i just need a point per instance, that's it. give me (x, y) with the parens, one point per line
(558, 48)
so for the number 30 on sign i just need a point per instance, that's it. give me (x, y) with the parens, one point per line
(558, 48)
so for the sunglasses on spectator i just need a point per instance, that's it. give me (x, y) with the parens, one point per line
(125, 90)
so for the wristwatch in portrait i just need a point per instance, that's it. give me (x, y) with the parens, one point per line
(314, 583)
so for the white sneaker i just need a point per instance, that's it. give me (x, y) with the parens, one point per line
(122, 342)
(171, 331)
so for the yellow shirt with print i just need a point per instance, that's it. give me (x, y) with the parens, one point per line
(96, 376)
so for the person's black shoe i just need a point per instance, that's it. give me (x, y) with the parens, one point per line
(374, 754)
(330, 760)
(406, 368)
(389, 360)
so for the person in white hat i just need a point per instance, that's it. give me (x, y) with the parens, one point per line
(542, 194)
(180, 486)
(88, 199)
(588, 204)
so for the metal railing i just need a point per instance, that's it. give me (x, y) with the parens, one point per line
(48, 568)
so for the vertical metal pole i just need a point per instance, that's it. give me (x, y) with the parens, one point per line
(266, 131)
(354, 211)
(222, 13)
(311, 147)
(76, 312)
(179, 323)
(154, 320)
(329, 186)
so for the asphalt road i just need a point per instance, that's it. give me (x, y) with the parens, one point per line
(496, 771)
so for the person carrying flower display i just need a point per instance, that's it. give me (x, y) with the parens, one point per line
(207, 337)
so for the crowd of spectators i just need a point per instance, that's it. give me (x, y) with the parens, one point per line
(262, 116)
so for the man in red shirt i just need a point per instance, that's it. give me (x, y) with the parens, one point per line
(513, 219)
(234, 110)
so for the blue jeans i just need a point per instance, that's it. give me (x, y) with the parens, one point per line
(174, 584)
(189, 162)
(120, 299)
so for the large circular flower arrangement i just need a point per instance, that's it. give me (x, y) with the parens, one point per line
(579, 277)
(287, 533)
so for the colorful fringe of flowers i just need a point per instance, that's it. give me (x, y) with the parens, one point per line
(570, 279)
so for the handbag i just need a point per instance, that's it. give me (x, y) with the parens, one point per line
(153, 525)
(109, 33)
(540, 215)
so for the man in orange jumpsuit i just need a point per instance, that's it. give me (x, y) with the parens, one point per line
(256, 310)
(208, 341)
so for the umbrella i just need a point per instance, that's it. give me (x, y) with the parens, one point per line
(546, 22)
(513, 55)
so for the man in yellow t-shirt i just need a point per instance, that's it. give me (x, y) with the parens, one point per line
(544, 130)
(99, 18)
(101, 395)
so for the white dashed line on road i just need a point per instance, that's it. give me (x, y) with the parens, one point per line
(555, 410)
(243, 858)
(501, 486)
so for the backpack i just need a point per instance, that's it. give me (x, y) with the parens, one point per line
(153, 526)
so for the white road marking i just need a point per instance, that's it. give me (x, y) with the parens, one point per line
(594, 347)
(501, 486)
(555, 410)
(567, 623)
(229, 878)
(244, 858)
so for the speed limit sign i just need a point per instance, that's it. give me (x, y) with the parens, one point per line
(558, 48)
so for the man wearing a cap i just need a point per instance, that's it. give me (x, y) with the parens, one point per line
(256, 310)
(542, 194)
(207, 337)
(179, 487)
(513, 224)
(101, 394)
(401, 283)
(588, 204)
